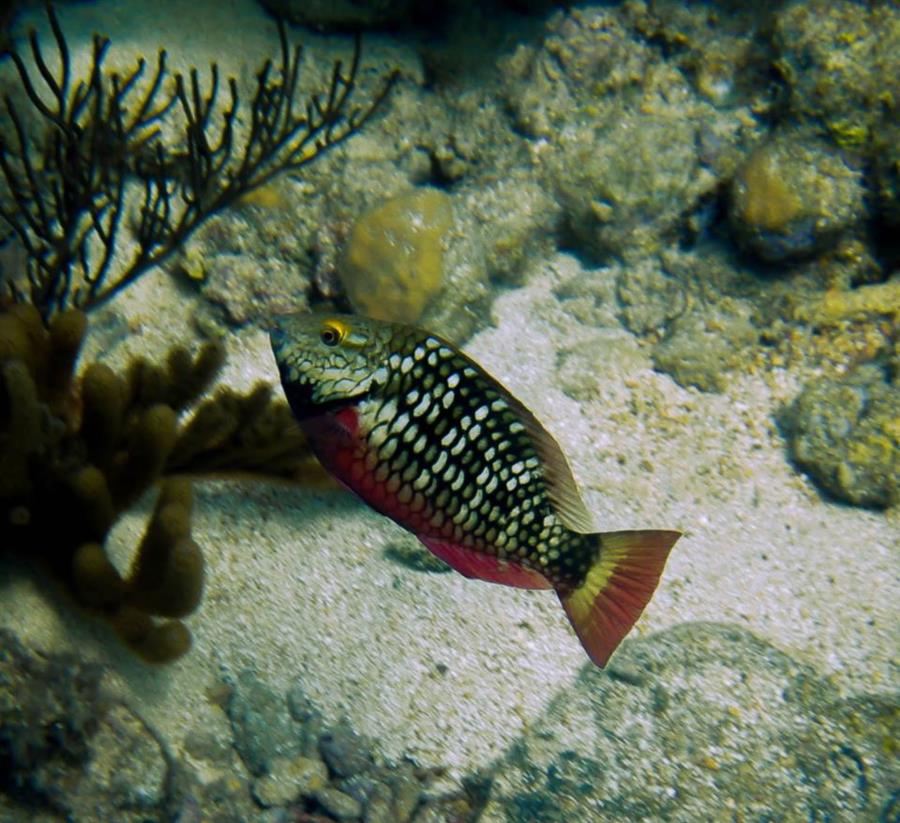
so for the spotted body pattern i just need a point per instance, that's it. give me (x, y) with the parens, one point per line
(425, 436)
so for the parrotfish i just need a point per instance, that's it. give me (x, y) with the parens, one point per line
(427, 437)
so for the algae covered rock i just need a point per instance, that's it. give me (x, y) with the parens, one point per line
(67, 746)
(701, 348)
(624, 183)
(393, 263)
(628, 147)
(886, 157)
(793, 197)
(845, 433)
(840, 60)
(700, 718)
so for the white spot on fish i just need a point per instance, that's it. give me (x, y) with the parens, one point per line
(481, 412)
(423, 406)
(453, 380)
(448, 438)
(440, 462)
(457, 484)
(400, 423)
(386, 452)
(419, 352)
(411, 396)
(448, 398)
(458, 448)
(422, 480)
(483, 476)
(406, 365)
(378, 435)
(462, 514)
(476, 430)
(515, 427)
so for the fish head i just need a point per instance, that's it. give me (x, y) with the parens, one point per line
(328, 360)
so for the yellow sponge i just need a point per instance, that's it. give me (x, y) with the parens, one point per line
(393, 264)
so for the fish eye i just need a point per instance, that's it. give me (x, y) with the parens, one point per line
(330, 337)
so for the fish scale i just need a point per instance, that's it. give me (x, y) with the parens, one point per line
(428, 438)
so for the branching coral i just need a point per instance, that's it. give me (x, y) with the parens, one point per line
(75, 453)
(100, 148)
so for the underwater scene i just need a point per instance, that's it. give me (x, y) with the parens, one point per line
(449, 412)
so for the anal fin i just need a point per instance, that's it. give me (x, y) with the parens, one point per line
(474, 564)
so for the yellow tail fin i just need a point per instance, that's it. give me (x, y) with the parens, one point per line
(617, 587)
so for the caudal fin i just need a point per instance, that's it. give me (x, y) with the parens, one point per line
(618, 586)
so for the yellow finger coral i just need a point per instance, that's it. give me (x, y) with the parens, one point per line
(76, 453)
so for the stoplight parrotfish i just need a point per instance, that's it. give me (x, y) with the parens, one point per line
(427, 437)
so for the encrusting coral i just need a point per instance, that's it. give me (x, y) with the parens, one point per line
(76, 452)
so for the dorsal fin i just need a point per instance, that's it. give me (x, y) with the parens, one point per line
(561, 487)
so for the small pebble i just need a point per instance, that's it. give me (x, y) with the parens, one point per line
(289, 779)
(345, 752)
(406, 794)
(339, 805)
(379, 811)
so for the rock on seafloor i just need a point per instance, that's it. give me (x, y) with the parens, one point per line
(703, 722)
(67, 745)
(793, 197)
(845, 433)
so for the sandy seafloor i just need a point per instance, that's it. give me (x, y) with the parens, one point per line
(298, 586)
